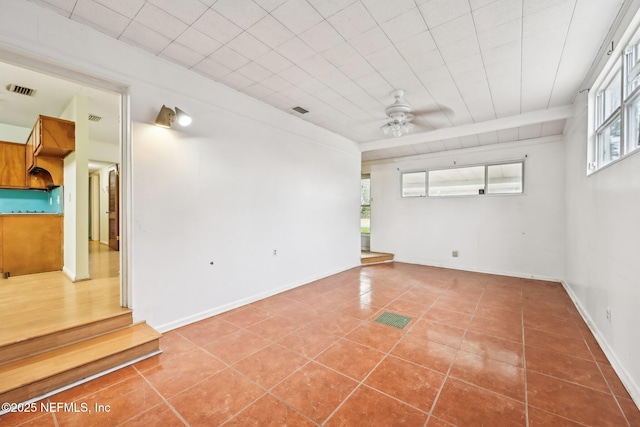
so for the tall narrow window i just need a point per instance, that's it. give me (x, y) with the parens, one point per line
(365, 204)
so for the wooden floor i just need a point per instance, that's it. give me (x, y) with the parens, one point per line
(367, 257)
(38, 304)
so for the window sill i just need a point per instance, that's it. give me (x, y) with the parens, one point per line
(626, 156)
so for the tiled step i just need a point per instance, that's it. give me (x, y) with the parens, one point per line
(64, 336)
(375, 257)
(34, 376)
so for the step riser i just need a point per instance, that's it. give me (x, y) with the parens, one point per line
(38, 388)
(374, 260)
(62, 338)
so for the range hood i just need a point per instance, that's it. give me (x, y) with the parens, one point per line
(41, 178)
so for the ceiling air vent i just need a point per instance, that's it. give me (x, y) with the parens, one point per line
(300, 110)
(94, 118)
(21, 90)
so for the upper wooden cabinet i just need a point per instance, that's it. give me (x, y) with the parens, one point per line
(53, 137)
(50, 141)
(12, 165)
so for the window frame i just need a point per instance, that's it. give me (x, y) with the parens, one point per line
(625, 66)
(482, 192)
(426, 183)
(484, 181)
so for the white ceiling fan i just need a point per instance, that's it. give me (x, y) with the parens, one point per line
(400, 116)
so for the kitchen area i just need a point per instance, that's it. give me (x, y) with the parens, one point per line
(59, 142)
(32, 198)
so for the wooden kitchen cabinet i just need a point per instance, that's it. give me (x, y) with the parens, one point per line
(30, 147)
(50, 141)
(12, 165)
(53, 137)
(31, 243)
(1, 235)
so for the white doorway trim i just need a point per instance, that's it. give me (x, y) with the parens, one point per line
(46, 66)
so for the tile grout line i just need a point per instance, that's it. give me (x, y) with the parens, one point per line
(386, 354)
(615, 397)
(593, 360)
(524, 363)
(446, 377)
(166, 401)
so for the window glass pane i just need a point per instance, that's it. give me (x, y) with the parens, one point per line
(633, 64)
(365, 191)
(414, 184)
(365, 219)
(633, 124)
(504, 179)
(609, 99)
(456, 182)
(609, 143)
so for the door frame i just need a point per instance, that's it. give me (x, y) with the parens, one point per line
(44, 65)
(114, 243)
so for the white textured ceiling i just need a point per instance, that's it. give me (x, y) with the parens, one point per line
(488, 70)
(52, 96)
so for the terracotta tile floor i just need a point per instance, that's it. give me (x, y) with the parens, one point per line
(480, 350)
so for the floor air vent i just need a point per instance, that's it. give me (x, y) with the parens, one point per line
(21, 90)
(395, 320)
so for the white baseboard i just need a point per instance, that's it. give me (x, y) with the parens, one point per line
(476, 270)
(627, 381)
(70, 274)
(244, 301)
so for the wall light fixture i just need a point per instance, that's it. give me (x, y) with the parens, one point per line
(166, 116)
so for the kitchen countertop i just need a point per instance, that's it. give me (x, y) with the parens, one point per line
(30, 213)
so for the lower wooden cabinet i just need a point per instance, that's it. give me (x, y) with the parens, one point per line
(31, 244)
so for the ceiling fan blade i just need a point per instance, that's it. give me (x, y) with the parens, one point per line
(432, 110)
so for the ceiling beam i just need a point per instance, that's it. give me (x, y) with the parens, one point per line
(530, 118)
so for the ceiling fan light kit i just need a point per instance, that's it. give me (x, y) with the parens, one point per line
(400, 114)
(397, 128)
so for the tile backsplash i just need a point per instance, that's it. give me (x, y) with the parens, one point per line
(29, 201)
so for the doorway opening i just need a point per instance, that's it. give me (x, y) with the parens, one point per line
(105, 121)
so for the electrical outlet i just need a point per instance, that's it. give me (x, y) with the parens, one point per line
(275, 252)
(609, 314)
(454, 254)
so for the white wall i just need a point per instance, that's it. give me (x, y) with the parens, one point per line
(602, 256)
(103, 152)
(11, 133)
(243, 180)
(517, 235)
(76, 194)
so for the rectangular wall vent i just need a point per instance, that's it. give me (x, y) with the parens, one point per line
(21, 90)
(94, 118)
(300, 110)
